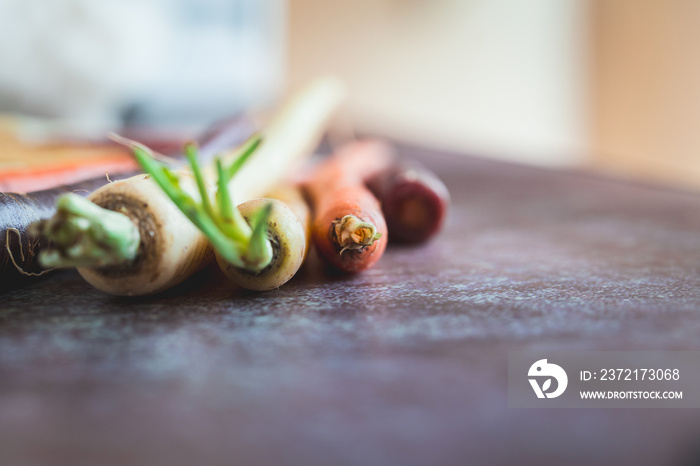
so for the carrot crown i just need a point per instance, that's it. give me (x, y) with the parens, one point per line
(242, 244)
(83, 234)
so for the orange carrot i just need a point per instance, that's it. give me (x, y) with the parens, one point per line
(27, 166)
(348, 227)
(37, 168)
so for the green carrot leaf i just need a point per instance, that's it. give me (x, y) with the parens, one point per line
(259, 249)
(191, 154)
(242, 155)
(231, 220)
(223, 195)
(164, 177)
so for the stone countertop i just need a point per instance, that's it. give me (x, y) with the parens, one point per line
(403, 364)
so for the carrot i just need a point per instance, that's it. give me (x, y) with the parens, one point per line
(18, 249)
(261, 244)
(413, 199)
(348, 227)
(22, 178)
(125, 240)
(292, 196)
(288, 232)
(26, 167)
(147, 245)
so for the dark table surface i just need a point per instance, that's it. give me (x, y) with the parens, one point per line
(403, 364)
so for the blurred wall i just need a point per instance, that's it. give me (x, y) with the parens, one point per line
(646, 89)
(495, 77)
(162, 62)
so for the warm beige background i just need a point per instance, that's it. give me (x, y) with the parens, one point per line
(646, 88)
(613, 84)
(502, 77)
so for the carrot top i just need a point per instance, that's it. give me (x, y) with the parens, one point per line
(354, 234)
(243, 245)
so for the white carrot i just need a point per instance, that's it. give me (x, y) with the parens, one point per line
(288, 232)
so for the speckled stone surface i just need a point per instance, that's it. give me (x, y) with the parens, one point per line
(403, 364)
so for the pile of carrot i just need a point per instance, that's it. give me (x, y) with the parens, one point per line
(143, 235)
(19, 248)
(363, 196)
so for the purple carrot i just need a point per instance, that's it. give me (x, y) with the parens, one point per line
(414, 201)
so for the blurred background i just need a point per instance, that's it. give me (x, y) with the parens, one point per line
(610, 85)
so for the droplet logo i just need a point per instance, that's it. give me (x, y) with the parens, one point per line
(544, 371)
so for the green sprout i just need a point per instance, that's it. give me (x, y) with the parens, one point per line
(243, 244)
